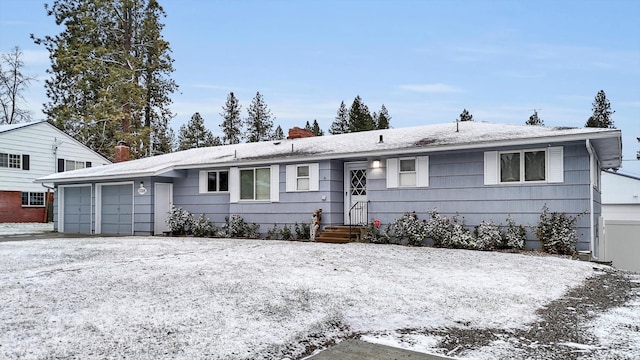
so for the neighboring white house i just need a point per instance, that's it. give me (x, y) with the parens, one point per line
(33, 150)
(621, 214)
(620, 196)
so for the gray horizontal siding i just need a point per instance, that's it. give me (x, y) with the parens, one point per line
(456, 187)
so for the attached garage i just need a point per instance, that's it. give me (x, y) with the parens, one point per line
(115, 208)
(75, 203)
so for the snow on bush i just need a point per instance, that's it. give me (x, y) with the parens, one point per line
(202, 227)
(407, 227)
(461, 237)
(488, 236)
(514, 236)
(179, 220)
(557, 232)
(438, 228)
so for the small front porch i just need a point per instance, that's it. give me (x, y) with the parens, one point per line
(341, 234)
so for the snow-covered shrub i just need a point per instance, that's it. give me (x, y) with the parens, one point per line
(252, 231)
(514, 235)
(557, 232)
(179, 221)
(303, 231)
(202, 227)
(235, 226)
(374, 235)
(286, 234)
(461, 237)
(438, 228)
(273, 233)
(487, 235)
(407, 227)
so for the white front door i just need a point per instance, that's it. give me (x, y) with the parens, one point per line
(355, 193)
(163, 199)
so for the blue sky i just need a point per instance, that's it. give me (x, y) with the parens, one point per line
(424, 60)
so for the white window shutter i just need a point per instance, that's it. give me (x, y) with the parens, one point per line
(555, 160)
(491, 167)
(275, 183)
(422, 171)
(291, 178)
(392, 173)
(314, 177)
(234, 185)
(203, 181)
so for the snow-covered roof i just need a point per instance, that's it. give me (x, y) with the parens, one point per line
(9, 127)
(428, 138)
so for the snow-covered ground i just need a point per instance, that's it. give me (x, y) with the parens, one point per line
(149, 297)
(24, 228)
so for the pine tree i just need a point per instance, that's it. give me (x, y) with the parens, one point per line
(316, 129)
(232, 122)
(360, 118)
(278, 134)
(383, 118)
(534, 119)
(195, 135)
(12, 85)
(602, 112)
(110, 73)
(341, 123)
(260, 121)
(465, 116)
(307, 126)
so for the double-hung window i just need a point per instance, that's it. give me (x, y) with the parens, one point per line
(523, 166)
(255, 184)
(407, 173)
(303, 177)
(11, 161)
(33, 199)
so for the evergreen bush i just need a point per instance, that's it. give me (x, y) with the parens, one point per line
(202, 227)
(557, 232)
(179, 221)
(407, 227)
(487, 236)
(514, 236)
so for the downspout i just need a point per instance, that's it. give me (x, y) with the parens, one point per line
(591, 220)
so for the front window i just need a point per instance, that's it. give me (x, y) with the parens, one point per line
(217, 181)
(32, 199)
(255, 184)
(11, 161)
(302, 177)
(523, 166)
(407, 172)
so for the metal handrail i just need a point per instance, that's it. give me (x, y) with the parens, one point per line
(366, 209)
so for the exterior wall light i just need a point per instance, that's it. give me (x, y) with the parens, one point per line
(142, 190)
(376, 164)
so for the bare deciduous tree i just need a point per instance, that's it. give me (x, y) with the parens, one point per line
(13, 82)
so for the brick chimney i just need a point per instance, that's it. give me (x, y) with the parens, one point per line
(297, 133)
(122, 152)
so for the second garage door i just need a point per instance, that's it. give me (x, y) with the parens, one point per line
(117, 210)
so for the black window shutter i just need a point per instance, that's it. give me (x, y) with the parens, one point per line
(88, 164)
(25, 162)
(60, 165)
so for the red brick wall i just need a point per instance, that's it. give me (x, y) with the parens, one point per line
(11, 209)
